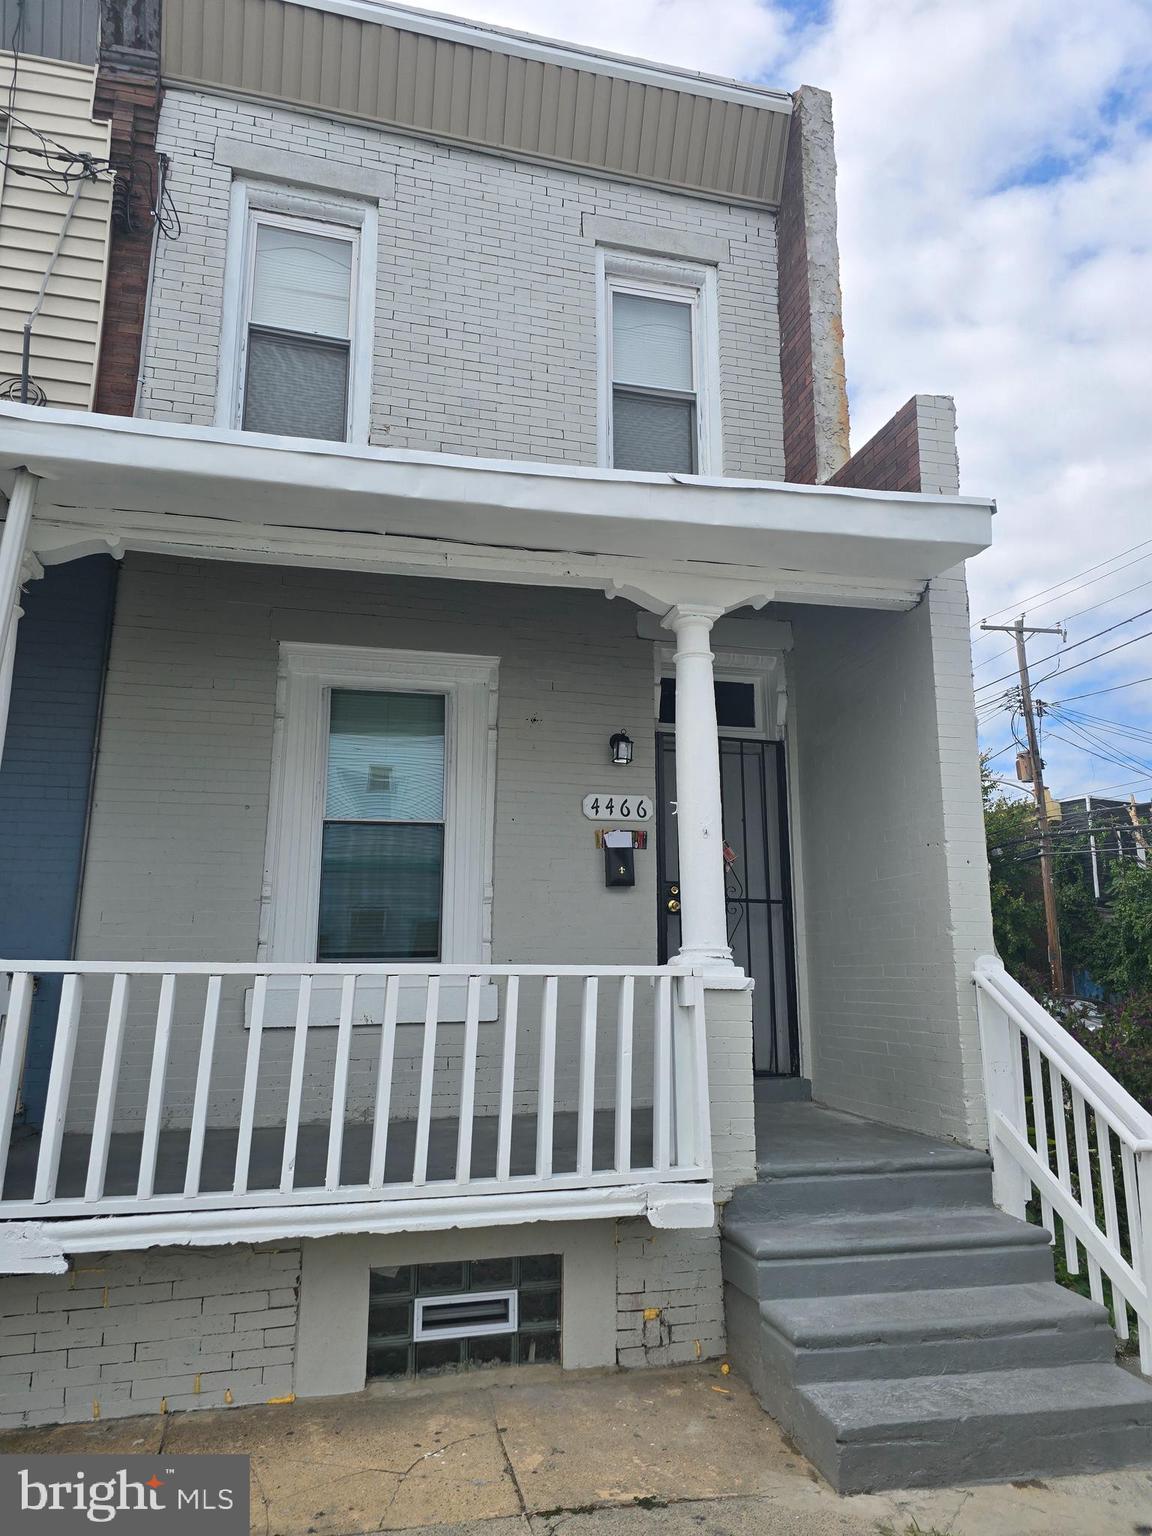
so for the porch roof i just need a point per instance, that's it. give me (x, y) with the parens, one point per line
(146, 483)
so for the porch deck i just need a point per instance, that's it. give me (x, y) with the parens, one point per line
(218, 1166)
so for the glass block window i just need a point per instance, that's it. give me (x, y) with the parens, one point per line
(382, 858)
(392, 1350)
(299, 328)
(654, 386)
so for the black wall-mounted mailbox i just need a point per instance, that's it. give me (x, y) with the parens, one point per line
(619, 866)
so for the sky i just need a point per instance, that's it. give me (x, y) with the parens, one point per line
(995, 198)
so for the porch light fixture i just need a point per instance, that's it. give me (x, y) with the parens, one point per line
(620, 745)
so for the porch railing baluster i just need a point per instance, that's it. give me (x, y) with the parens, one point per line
(1087, 1191)
(59, 1084)
(507, 1078)
(662, 1077)
(106, 1090)
(251, 1083)
(625, 1003)
(546, 1083)
(586, 1112)
(468, 1081)
(384, 1083)
(340, 1082)
(12, 1046)
(154, 1109)
(427, 1073)
(194, 1165)
(295, 1084)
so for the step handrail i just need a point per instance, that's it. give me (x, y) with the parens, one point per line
(1045, 1093)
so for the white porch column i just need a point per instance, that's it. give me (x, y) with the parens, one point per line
(13, 544)
(699, 822)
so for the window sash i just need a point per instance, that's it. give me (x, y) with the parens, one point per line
(671, 292)
(348, 235)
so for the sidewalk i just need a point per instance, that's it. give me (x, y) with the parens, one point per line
(684, 1452)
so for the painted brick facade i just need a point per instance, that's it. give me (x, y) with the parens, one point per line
(132, 1333)
(670, 1296)
(485, 326)
(914, 451)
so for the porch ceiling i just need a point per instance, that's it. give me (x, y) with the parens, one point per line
(121, 475)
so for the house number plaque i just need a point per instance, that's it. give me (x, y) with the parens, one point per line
(610, 805)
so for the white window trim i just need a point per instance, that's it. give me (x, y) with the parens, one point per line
(356, 222)
(307, 674)
(764, 670)
(689, 283)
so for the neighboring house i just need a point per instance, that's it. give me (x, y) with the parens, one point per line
(411, 942)
(1103, 830)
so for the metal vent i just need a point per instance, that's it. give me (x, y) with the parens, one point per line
(465, 1316)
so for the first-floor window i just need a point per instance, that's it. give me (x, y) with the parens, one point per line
(382, 850)
(381, 820)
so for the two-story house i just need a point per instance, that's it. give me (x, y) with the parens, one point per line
(521, 761)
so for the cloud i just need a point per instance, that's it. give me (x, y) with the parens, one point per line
(996, 234)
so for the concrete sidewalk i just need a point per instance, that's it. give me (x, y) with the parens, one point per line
(684, 1452)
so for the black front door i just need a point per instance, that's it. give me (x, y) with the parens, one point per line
(754, 793)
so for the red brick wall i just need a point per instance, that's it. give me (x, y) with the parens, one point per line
(890, 461)
(129, 97)
(795, 324)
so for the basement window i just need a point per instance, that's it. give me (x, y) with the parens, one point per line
(430, 1319)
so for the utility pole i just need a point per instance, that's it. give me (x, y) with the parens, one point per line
(1020, 631)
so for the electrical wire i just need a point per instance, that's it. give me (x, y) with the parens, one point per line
(1013, 607)
(1052, 655)
(1098, 692)
(1088, 660)
(1080, 612)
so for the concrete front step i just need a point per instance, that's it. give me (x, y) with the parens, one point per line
(895, 1251)
(903, 1330)
(984, 1426)
(927, 1333)
(828, 1194)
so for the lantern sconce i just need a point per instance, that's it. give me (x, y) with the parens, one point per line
(620, 746)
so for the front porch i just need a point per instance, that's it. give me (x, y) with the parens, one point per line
(489, 1039)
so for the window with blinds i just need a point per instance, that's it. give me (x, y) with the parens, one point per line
(382, 859)
(299, 334)
(654, 384)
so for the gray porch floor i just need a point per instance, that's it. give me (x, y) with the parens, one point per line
(312, 1153)
(793, 1139)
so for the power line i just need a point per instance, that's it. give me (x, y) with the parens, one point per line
(1080, 612)
(1144, 612)
(1009, 607)
(1125, 728)
(1088, 660)
(1097, 692)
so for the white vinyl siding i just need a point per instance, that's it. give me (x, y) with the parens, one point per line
(56, 99)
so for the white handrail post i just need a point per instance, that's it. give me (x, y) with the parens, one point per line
(1142, 1259)
(1003, 1096)
(685, 1136)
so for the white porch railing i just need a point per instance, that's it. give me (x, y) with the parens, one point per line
(1046, 1094)
(190, 1087)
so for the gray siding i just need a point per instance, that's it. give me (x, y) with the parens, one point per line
(176, 851)
(52, 29)
(561, 107)
(485, 326)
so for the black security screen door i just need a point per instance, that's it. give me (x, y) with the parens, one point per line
(753, 789)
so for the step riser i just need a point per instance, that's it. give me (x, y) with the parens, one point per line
(937, 1357)
(991, 1452)
(860, 1274)
(864, 1193)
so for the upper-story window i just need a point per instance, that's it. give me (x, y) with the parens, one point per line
(296, 346)
(298, 342)
(658, 367)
